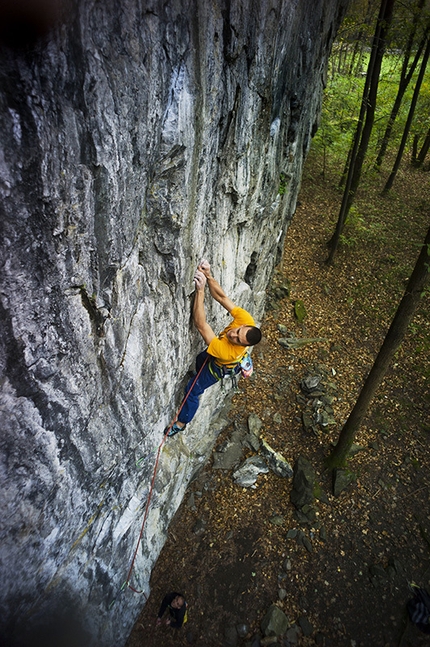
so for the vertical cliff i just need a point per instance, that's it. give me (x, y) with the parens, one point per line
(137, 136)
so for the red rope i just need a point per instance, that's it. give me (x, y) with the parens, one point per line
(153, 480)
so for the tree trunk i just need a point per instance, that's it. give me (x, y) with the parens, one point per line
(419, 159)
(361, 40)
(357, 44)
(405, 77)
(414, 159)
(346, 167)
(411, 298)
(367, 112)
(393, 173)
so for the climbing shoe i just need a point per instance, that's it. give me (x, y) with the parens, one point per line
(174, 429)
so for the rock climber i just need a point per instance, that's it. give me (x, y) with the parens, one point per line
(224, 352)
(177, 606)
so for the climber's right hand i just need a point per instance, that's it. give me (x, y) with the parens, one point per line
(205, 267)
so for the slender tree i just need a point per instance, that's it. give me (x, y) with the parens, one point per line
(360, 39)
(418, 158)
(367, 115)
(346, 167)
(360, 43)
(406, 74)
(417, 283)
(406, 130)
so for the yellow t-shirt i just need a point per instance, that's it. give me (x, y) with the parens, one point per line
(221, 348)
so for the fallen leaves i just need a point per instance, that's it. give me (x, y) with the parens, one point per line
(351, 303)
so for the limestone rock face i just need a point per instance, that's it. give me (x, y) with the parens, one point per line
(136, 137)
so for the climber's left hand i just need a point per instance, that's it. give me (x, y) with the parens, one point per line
(199, 280)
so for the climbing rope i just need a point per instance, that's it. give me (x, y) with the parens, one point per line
(165, 436)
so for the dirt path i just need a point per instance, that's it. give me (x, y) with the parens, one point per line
(231, 549)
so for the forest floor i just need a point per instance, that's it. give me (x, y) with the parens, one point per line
(228, 549)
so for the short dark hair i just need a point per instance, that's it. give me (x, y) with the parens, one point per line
(253, 335)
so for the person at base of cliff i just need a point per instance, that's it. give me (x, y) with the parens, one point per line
(177, 606)
(224, 352)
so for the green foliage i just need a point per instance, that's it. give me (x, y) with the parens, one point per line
(426, 290)
(416, 464)
(282, 184)
(342, 100)
(388, 225)
(300, 310)
(361, 229)
(339, 116)
(419, 329)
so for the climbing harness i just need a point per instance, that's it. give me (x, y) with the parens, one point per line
(151, 489)
(243, 366)
(220, 372)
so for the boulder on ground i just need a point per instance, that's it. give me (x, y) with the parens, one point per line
(248, 472)
(303, 483)
(342, 479)
(275, 622)
(254, 424)
(277, 463)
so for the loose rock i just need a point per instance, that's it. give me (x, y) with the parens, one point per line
(277, 463)
(248, 472)
(287, 564)
(268, 640)
(282, 594)
(293, 635)
(242, 630)
(275, 621)
(254, 424)
(341, 480)
(305, 626)
(231, 637)
(303, 483)
(277, 520)
(252, 442)
(226, 459)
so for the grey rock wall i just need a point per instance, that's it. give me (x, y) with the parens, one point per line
(136, 137)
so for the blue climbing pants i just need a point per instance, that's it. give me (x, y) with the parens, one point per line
(205, 380)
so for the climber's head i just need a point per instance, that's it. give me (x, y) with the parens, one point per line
(244, 335)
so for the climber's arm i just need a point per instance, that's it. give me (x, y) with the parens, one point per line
(199, 315)
(215, 289)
